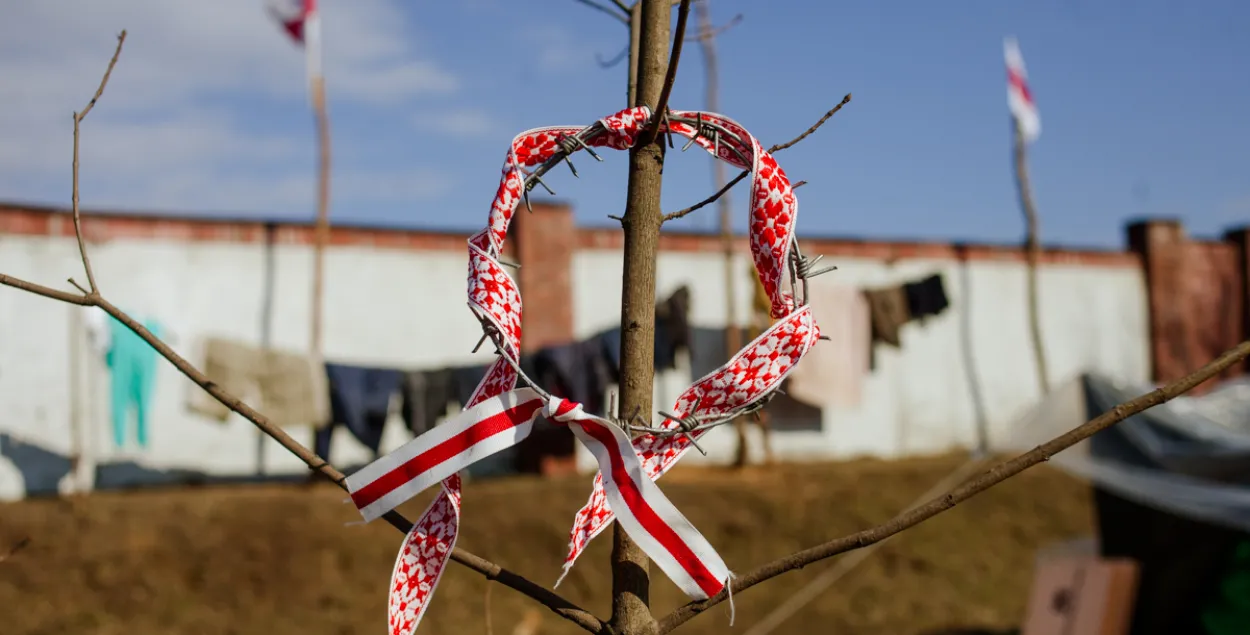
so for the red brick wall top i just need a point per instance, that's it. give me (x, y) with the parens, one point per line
(104, 226)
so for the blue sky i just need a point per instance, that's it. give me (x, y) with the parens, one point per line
(1142, 102)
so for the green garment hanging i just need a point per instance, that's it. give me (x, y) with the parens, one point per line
(132, 369)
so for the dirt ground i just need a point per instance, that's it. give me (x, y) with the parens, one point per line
(280, 560)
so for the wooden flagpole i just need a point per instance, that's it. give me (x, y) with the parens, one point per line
(317, 92)
(733, 332)
(1032, 249)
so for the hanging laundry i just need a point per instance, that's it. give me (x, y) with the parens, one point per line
(786, 412)
(290, 389)
(833, 372)
(97, 323)
(889, 311)
(708, 349)
(672, 328)
(672, 333)
(926, 297)
(360, 398)
(579, 372)
(426, 395)
(465, 380)
(132, 373)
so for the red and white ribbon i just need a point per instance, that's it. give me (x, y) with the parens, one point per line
(302, 21)
(761, 365)
(498, 415)
(1019, 97)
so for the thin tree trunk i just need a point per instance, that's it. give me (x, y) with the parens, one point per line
(711, 100)
(1032, 253)
(635, 31)
(631, 614)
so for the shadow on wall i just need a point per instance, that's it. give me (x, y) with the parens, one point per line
(43, 470)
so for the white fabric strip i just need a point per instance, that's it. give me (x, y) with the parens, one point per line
(706, 564)
(459, 450)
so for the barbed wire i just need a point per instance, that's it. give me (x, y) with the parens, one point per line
(801, 270)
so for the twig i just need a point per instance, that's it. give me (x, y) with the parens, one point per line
(623, 19)
(994, 476)
(670, 76)
(710, 33)
(620, 4)
(614, 61)
(773, 150)
(21, 544)
(92, 298)
(707, 201)
(78, 117)
(832, 111)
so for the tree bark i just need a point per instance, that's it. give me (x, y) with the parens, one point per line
(631, 613)
(1032, 250)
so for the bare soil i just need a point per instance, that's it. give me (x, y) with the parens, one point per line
(281, 560)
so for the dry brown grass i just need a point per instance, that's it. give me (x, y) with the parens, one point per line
(278, 559)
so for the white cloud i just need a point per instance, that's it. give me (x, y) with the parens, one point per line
(173, 129)
(558, 50)
(458, 123)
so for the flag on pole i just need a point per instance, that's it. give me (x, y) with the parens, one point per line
(302, 22)
(1019, 98)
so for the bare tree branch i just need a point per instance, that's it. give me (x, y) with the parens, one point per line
(777, 148)
(620, 4)
(670, 76)
(623, 19)
(711, 33)
(707, 201)
(990, 478)
(92, 298)
(832, 111)
(78, 117)
(614, 61)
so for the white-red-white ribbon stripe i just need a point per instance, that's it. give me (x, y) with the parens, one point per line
(675, 546)
(1019, 97)
(491, 426)
(498, 415)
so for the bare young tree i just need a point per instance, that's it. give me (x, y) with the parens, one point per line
(631, 613)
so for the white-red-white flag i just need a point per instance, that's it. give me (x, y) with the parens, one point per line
(1019, 97)
(302, 21)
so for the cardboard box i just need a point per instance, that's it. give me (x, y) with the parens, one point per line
(1076, 592)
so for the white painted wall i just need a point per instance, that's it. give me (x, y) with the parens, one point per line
(406, 309)
(922, 398)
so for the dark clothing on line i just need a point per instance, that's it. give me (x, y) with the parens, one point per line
(359, 399)
(426, 396)
(889, 311)
(926, 297)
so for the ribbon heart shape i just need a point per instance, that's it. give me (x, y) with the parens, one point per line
(499, 415)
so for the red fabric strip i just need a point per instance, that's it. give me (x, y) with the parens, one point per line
(444, 451)
(651, 521)
(1016, 81)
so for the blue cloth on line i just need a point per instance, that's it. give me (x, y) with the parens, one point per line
(132, 374)
(359, 399)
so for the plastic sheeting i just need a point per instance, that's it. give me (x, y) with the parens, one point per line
(1189, 457)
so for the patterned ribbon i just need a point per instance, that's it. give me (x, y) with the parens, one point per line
(499, 415)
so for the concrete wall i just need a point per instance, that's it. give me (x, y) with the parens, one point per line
(972, 365)
(397, 299)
